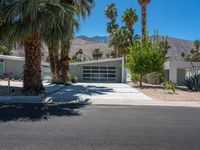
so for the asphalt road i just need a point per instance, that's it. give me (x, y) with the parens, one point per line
(65, 127)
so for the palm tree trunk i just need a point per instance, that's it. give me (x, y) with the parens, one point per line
(143, 21)
(64, 61)
(53, 50)
(32, 68)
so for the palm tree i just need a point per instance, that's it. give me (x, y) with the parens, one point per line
(197, 44)
(143, 4)
(82, 9)
(111, 13)
(97, 54)
(24, 22)
(130, 18)
(120, 38)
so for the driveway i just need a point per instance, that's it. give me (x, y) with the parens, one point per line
(101, 93)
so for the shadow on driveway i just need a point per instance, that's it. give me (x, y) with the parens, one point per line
(37, 112)
(79, 92)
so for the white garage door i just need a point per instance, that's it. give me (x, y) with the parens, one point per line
(99, 74)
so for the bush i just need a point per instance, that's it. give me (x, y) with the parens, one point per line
(73, 78)
(170, 86)
(193, 83)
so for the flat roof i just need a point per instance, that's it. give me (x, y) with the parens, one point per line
(96, 61)
(12, 57)
(48, 64)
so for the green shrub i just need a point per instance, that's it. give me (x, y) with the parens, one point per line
(73, 78)
(193, 83)
(170, 86)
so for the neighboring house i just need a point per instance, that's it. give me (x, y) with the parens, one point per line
(14, 65)
(177, 70)
(108, 70)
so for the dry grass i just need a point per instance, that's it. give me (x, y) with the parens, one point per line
(158, 93)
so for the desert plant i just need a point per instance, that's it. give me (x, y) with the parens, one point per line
(169, 86)
(193, 83)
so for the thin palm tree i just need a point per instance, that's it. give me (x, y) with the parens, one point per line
(130, 18)
(25, 22)
(143, 4)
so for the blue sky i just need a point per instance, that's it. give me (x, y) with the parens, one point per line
(175, 18)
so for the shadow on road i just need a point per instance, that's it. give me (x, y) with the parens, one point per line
(38, 112)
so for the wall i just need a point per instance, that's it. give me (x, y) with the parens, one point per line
(15, 67)
(174, 65)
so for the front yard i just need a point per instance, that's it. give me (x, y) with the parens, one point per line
(159, 94)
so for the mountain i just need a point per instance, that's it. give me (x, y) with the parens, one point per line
(88, 44)
(98, 39)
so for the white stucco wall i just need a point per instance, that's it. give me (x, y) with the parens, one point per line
(173, 65)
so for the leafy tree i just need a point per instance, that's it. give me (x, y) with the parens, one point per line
(145, 57)
(143, 4)
(130, 18)
(4, 49)
(97, 54)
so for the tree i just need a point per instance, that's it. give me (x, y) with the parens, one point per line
(82, 9)
(111, 13)
(120, 39)
(145, 57)
(143, 4)
(97, 54)
(193, 56)
(25, 22)
(130, 18)
(4, 49)
(196, 44)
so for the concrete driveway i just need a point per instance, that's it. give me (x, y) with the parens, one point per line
(101, 93)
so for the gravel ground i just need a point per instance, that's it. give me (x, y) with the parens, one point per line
(158, 93)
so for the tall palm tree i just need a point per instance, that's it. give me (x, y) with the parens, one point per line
(82, 9)
(111, 13)
(130, 18)
(143, 4)
(25, 22)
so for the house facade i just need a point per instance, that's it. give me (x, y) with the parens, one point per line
(178, 69)
(107, 70)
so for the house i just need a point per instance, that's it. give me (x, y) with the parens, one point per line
(107, 70)
(14, 65)
(177, 70)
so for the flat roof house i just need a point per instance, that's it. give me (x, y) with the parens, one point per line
(107, 70)
(14, 65)
(178, 69)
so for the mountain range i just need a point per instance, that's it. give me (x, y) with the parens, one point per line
(88, 44)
